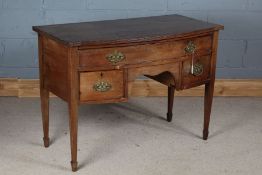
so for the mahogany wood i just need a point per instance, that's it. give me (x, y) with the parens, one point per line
(114, 78)
(96, 62)
(189, 80)
(171, 91)
(73, 102)
(136, 30)
(142, 54)
(209, 87)
(44, 93)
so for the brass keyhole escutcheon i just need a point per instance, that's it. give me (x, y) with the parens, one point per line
(198, 69)
(190, 48)
(115, 57)
(102, 86)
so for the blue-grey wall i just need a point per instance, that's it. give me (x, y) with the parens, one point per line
(240, 50)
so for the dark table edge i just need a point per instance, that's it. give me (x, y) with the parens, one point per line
(217, 27)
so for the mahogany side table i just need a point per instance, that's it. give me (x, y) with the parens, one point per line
(96, 62)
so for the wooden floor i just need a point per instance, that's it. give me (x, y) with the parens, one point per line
(249, 88)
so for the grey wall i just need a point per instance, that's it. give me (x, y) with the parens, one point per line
(240, 43)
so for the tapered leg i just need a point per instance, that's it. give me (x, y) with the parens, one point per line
(171, 92)
(44, 93)
(209, 90)
(73, 123)
(73, 88)
(45, 114)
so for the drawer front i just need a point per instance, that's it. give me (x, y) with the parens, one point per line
(200, 73)
(101, 85)
(142, 54)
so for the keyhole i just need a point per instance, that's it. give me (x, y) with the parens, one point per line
(101, 74)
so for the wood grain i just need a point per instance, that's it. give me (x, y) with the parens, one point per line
(189, 80)
(9, 87)
(209, 87)
(89, 79)
(73, 102)
(74, 61)
(223, 88)
(56, 70)
(134, 30)
(96, 59)
(24, 88)
(44, 92)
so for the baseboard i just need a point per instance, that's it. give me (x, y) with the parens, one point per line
(223, 87)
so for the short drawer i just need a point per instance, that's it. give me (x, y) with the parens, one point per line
(102, 85)
(142, 54)
(200, 73)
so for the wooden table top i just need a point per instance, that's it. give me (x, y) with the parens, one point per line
(126, 30)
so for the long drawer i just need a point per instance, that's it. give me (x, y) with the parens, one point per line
(109, 58)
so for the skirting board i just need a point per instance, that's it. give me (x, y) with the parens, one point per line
(223, 87)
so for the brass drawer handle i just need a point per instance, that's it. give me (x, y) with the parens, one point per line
(115, 57)
(190, 48)
(102, 86)
(197, 69)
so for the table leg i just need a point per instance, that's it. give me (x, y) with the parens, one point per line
(73, 123)
(209, 90)
(171, 92)
(44, 94)
(45, 114)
